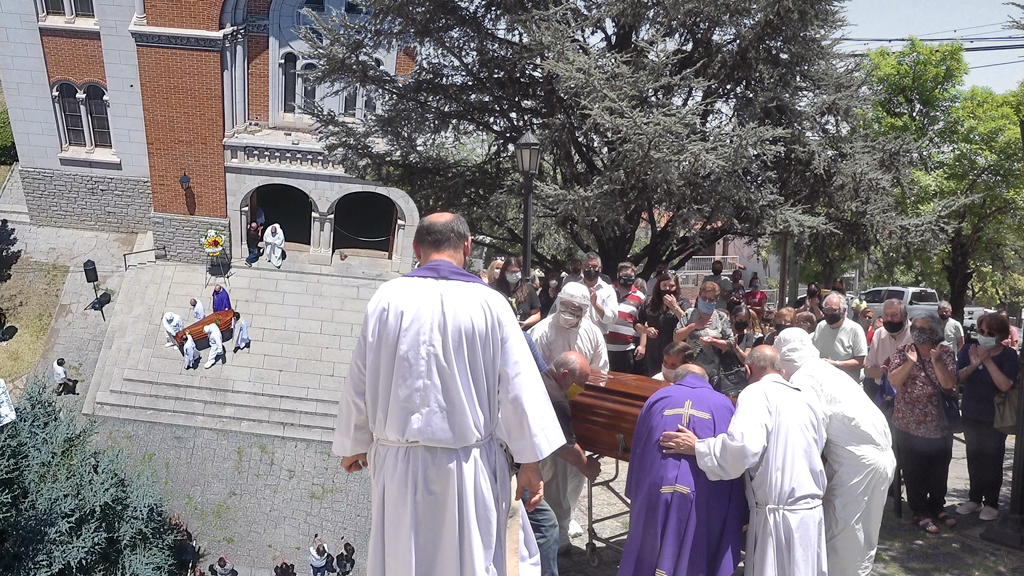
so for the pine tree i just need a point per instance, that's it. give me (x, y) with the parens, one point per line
(70, 508)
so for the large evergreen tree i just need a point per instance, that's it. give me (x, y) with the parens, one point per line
(68, 508)
(666, 124)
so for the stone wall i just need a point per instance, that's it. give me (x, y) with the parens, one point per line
(91, 201)
(180, 236)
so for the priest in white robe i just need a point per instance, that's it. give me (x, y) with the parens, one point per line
(241, 330)
(775, 438)
(172, 325)
(859, 461)
(216, 341)
(192, 356)
(441, 380)
(273, 245)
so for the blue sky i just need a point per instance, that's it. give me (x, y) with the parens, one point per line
(938, 19)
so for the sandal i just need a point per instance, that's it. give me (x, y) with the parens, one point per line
(946, 519)
(928, 526)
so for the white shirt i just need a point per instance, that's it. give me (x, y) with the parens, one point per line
(608, 299)
(59, 373)
(198, 312)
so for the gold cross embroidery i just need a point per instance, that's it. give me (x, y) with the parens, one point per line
(686, 411)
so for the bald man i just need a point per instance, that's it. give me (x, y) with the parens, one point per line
(775, 438)
(566, 378)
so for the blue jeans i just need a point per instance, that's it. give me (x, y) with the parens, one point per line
(321, 571)
(545, 530)
(254, 255)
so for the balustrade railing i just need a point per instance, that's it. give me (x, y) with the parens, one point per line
(290, 156)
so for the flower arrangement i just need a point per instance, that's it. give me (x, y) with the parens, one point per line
(213, 243)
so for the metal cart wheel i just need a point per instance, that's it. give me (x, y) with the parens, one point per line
(593, 556)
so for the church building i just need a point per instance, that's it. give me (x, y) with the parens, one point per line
(178, 116)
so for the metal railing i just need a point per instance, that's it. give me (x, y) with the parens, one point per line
(703, 263)
(157, 249)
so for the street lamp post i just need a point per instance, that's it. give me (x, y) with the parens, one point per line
(528, 161)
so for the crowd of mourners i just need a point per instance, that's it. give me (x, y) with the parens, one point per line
(907, 367)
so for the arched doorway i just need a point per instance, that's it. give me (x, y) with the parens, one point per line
(365, 221)
(284, 205)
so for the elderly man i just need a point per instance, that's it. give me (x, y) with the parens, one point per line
(896, 333)
(562, 470)
(952, 330)
(604, 308)
(680, 521)
(221, 300)
(839, 340)
(172, 325)
(198, 311)
(859, 460)
(273, 245)
(567, 328)
(441, 378)
(775, 438)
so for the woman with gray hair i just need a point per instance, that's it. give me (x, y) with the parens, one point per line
(922, 372)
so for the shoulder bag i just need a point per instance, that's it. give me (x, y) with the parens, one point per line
(949, 404)
(1007, 408)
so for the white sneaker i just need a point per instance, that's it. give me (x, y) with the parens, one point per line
(968, 507)
(169, 344)
(988, 513)
(575, 530)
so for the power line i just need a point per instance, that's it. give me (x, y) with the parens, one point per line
(997, 64)
(965, 28)
(953, 39)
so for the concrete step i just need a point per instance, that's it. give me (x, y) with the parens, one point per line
(14, 215)
(143, 242)
(197, 400)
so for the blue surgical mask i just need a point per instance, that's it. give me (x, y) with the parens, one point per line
(987, 341)
(705, 307)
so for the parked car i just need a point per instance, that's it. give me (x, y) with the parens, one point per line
(971, 315)
(918, 301)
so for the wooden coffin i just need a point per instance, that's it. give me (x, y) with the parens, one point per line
(222, 319)
(604, 414)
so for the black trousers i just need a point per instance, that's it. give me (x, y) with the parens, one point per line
(986, 448)
(925, 465)
(621, 361)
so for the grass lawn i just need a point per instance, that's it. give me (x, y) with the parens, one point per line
(6, 141)
(29, 299)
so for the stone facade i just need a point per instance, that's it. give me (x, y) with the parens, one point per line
(180, 236)
(83, 200)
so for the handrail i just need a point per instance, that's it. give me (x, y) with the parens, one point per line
(125, 256)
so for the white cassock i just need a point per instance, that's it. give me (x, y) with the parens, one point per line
(198, 312)
(441, 376)
(241, 330)
(192, 355)
(172, 325)
(776, 437)
(859, 460)
(273, 245)
(216, 344)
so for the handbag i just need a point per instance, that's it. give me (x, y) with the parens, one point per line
(1007, 408)
(949, 405)
(732, 375)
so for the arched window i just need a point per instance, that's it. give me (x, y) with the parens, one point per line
(98, 120)
(290, 61)
(308, 87)
(74, 124)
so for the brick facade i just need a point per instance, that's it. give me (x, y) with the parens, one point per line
(73, 56)
(258, 8)
(183, 107)
(259, 81)
(190, 14)
(405, 61)
(91, 201)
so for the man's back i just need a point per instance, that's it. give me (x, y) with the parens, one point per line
(853, 419)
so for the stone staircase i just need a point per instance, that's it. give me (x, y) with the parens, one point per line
(143, 252)
(12, 200)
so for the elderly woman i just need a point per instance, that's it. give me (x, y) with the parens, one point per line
(922, 372)
(986, 369)
(519, 292)
(708, 331)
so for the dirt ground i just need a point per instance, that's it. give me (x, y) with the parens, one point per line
(29, 299)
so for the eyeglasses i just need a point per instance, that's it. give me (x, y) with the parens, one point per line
(986, 333)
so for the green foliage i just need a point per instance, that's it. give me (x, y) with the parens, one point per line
(965, 191)
(665, 125)
(8, 153)
(68, 508)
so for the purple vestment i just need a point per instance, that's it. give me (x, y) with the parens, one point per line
(681, 523)
(221, 301)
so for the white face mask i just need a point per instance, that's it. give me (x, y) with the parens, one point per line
(553, 283)
(668, 373)
(568, 320)
(513, 277)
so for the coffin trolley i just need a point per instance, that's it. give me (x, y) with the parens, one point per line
(603, 419)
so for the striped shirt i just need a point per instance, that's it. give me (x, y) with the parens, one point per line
(621, 333)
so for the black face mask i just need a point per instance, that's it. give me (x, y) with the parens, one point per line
(943, 317)
(892, 327)
(833, 318)
(716, 272)
(626, 280)
(742, 325)
(590, 275)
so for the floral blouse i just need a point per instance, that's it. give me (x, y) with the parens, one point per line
(917, 406)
